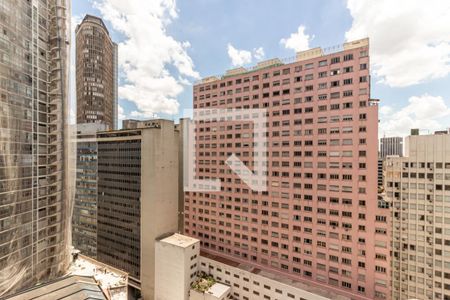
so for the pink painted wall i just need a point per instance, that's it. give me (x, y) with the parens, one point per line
(233, 206)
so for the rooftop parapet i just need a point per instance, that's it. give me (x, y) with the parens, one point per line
(300, 56)
(268, 63)
(310, 53)
(235, 71)
(356, 44)
(209, 79)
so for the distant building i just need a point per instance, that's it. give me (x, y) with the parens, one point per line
(418, 188)
(391, 146)
(380, 172)
(134, 124)
(138, 192)
(84, 219)
(96, 73)
(415, 131)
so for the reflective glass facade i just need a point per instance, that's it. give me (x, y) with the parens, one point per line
(33, 152)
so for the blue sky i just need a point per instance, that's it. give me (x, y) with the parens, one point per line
(165, 46)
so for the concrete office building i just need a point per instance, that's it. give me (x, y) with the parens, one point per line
(176, 263)
(391, 146)
(84, 219)
(319, 220)
(96, 73)
(418, 186)
(137, 197)
(34, 106)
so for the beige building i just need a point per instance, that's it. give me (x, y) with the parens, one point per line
(137, 197)
(418, 185)
(250, 283)
(176, 266)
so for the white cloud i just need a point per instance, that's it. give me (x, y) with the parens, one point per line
(409, 39)
(243, 57)
(258, 53)
(298, 41)
(423, 112)
(120, 113)
(385, 110)
(147, 54)
(239, 57)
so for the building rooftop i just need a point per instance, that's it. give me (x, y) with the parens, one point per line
(94, 19)
(113, 282)
(312, 288)
(300, 56)
(179, 240)
(71, 287)
(218, 290)
(206, 284)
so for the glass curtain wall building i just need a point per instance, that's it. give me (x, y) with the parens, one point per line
(34, 142)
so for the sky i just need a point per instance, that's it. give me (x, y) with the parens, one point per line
(165, 46)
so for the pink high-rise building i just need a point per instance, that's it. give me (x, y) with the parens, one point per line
(320, 221)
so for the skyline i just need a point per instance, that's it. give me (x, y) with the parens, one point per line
(274, 183)
(186, 48)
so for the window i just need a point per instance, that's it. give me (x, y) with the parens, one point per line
(347, 93)
(322, 96)
(348, 57)
(334, 72)
(335, 60)
(309, 77)
(335, 95)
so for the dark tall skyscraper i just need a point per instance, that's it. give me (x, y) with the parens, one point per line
(34, 49)
(96, 56)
